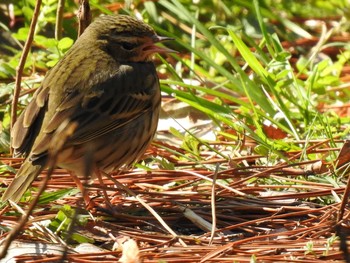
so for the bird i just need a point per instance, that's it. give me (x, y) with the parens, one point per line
(107, 86)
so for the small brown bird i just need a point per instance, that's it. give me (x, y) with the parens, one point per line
(108, 87)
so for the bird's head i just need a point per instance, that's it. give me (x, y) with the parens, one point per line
(126, 38)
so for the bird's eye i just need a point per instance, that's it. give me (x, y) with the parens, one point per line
(128, 45)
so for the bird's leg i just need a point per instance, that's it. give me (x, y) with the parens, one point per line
(90, 204)
(100, 180)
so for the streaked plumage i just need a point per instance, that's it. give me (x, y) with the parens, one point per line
(105, 83)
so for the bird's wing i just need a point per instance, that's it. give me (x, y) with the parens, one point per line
(107, 106)
(27, 126)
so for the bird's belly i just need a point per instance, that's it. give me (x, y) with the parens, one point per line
(111, 151)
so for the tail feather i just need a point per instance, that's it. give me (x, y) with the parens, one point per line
(24, 178)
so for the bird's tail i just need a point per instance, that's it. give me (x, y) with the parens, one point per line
(24, 178)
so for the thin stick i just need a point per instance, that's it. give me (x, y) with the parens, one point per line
(19, 69)
(150, 209)
(344, 200)
(213, 206)
(17, 229)
(56, 145)
(84, 16)
(59, 19)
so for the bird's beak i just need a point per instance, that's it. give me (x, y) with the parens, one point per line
(152, 48)
(157, 38)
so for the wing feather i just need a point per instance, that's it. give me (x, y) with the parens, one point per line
(28, 123)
